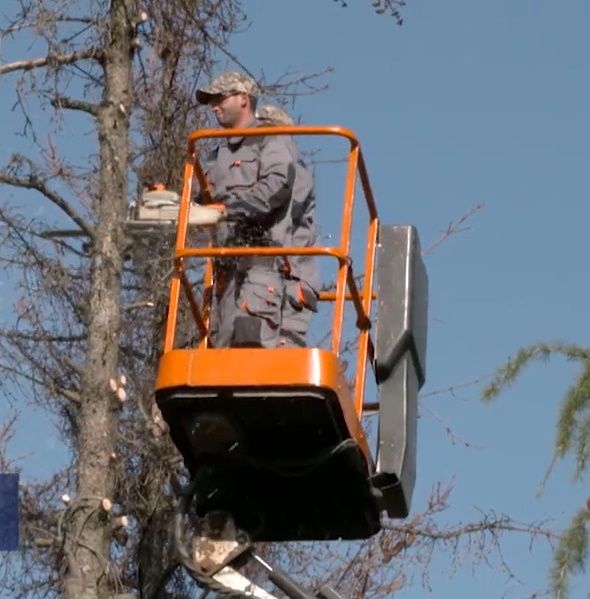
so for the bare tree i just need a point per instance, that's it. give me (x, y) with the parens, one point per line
(69, 345)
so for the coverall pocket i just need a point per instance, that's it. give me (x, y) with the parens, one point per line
(261, 296)
(243, 170)
(301, 296)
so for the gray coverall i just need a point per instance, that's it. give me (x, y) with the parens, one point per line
(253, 177)
(303, 284)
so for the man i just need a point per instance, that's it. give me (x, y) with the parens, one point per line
(303, 282)
(253, 178)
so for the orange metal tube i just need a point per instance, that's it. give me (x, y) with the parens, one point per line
(172, 313)
(336, 130)
(364, 337)
(180, 243)
(338, 317)
(364, 177)
(195, 310)
(230, 252)
(330, 296)
(207, 299)
(184, 209)
(203, 182)
(362, 321)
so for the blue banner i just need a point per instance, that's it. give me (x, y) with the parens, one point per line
(8, 512)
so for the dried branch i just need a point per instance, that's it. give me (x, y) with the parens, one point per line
(52, 60)
(292, 81)
(72, 104)
(450, 431)
(453, 228)
(452, 388)
(495, 524)
(68, 394)
(220, 45)
(42, 337)
(34, 182)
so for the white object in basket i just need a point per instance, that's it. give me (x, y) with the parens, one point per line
(163, 205)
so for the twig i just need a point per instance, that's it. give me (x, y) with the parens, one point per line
(453, 228)
(452, 388)
(455, 437)
(138, 305)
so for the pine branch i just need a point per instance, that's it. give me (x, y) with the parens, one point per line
(576, 400)
(570, 555)
(51, 60)
(509, 372)
(572, 428)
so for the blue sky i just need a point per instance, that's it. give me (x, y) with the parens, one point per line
(468, 102)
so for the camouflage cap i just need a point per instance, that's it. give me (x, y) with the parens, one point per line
(274, 115)
(227, 84)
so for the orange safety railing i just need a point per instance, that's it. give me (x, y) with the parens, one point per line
(345, 280)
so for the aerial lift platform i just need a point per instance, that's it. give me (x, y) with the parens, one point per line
(273, 439)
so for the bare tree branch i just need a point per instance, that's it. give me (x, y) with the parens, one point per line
(50, 385)
(452, 388)
(72, 104)
(50, 60)
(486, 525)
(34, 182)
(43, 338)
(453, 228)
(218, 44)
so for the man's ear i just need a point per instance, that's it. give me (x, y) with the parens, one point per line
(244, 100)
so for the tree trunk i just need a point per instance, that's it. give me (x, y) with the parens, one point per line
(88, 571)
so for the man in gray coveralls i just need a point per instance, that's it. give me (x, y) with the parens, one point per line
(303, 281)
(253, 178)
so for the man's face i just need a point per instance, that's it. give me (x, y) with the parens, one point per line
(231, 111)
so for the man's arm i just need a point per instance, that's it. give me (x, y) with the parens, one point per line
(273, 188)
